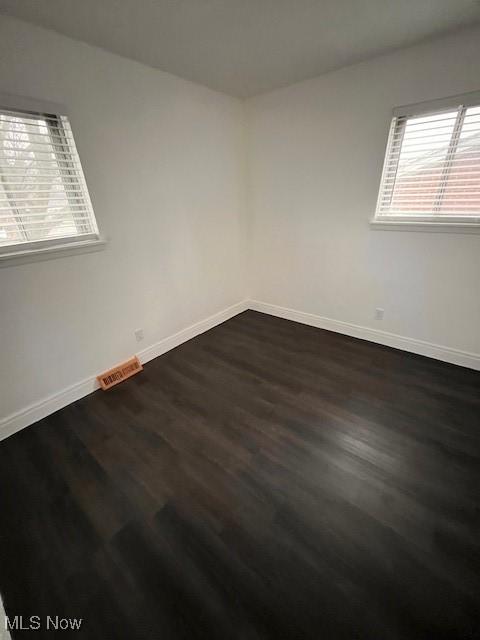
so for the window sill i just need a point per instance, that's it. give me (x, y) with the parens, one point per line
(53, 251)
(422, 225)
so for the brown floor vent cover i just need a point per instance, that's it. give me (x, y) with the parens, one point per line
(119, 373)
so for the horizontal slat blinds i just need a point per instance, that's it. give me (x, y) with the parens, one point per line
(432, 166)
(43, 194)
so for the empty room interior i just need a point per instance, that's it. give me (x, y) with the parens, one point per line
(240, 319)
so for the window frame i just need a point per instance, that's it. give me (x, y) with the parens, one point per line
(34, 250)
(410, 222)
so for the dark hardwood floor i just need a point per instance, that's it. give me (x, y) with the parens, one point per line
(266, 480)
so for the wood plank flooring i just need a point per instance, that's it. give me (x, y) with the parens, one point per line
(265, 480)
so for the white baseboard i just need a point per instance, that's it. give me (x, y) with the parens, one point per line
(190, 332)
(17, 421)
(38, 410)
(439, 352)
(21, 419)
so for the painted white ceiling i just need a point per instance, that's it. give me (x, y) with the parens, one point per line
(245, 47)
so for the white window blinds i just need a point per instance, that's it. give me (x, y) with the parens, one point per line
(43, 195)
(432, 167)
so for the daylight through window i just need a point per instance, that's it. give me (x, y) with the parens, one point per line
(432, 167)
(43, 195)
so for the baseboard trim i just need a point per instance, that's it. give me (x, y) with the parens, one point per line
(190, 332)
(420, 347)
(41, 409)
(38, 410)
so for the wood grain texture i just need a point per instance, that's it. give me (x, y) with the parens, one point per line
(265, 480)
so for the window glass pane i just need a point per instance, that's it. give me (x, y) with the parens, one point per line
(462, 189)
(42, 191)
(423, 153)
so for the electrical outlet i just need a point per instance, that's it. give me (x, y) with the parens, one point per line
(379, 313)
(139, 335)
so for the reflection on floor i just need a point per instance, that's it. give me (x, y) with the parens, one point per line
(265, 480)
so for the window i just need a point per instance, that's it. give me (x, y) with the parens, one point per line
(44, 201)
(432, 165)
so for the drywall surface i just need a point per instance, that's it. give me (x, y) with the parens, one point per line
(316, 155)
(164, 160)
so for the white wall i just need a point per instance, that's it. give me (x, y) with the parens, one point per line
(164, 162)
(316, 154)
